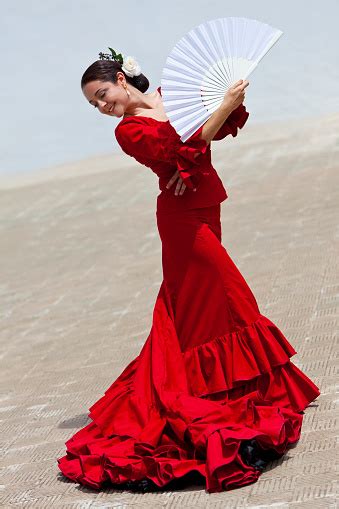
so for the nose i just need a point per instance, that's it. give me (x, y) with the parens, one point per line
(103, 107)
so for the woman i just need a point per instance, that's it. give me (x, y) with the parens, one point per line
(213, 395)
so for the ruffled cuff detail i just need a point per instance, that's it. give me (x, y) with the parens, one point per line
(236, 120)
(188, 157)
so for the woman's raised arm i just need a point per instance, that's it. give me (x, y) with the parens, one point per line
(233, 98)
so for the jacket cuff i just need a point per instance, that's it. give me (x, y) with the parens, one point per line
(236, 120)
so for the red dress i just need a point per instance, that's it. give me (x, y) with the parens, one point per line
(213, 371)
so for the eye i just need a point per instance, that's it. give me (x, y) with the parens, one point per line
(102, 95)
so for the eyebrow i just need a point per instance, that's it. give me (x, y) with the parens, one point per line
(90, 102)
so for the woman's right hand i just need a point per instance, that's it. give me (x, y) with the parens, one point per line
(235, 95)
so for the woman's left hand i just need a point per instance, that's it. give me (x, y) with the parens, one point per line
(180, 187)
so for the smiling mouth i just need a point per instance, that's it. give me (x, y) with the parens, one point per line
(111, 109)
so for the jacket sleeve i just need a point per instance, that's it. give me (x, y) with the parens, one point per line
(141, 141)
(189, 156)
(236, 120)
(147, 142)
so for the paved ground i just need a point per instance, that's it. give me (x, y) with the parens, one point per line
(80, 270)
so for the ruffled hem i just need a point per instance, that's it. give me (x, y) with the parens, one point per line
(227, 361)
(133, 437)
(212, 435)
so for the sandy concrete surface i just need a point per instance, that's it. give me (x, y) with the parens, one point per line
(80, 271)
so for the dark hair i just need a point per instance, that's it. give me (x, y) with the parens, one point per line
(106, 70)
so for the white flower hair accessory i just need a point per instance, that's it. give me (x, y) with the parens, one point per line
(128, 64)
(131, 67)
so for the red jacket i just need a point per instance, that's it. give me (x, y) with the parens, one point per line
(157, 145)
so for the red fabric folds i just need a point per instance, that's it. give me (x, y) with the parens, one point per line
(188, 156)
(150, 142)
(226, 361)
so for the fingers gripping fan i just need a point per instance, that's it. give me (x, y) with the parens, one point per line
(205, 63)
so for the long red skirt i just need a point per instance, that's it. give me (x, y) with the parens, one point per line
(212, 373)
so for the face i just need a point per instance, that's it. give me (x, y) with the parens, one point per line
(110, 98)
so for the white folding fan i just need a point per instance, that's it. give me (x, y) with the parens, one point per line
(206, 62)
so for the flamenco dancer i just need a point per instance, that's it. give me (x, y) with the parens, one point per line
(212, 396)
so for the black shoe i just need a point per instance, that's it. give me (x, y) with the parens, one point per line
(146, 485)
(260, 464)
(250, 453)
(266, 454)
(255, 456)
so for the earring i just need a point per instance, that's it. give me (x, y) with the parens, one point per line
(128, 92)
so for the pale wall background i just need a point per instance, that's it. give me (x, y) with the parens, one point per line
(47, 45)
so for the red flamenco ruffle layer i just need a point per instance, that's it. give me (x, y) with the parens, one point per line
(171, 412)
